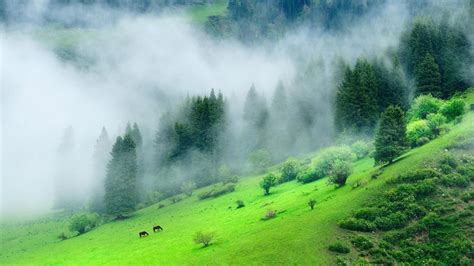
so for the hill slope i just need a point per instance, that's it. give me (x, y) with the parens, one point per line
(297, 235)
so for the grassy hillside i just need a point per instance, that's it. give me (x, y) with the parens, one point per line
(297, 235)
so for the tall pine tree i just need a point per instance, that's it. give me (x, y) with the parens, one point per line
(390, 139)
(100, 158)
(428, 78)
(121, 195)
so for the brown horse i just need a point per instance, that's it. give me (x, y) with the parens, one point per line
(142, 234)
(157, 228)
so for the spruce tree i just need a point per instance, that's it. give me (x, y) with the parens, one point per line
(121, 194)
(390, 139)
(101, 156)
(428, 78)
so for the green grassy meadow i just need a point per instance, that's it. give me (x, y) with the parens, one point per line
(297, 235)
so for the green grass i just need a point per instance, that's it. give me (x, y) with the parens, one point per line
(296, 236)
(200, 13)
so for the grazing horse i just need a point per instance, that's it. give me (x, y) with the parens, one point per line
(157, 228)
(142, 234)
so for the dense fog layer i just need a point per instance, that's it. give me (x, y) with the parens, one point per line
(135, 69)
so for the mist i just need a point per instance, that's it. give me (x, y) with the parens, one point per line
(135, 68)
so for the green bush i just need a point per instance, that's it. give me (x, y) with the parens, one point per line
(326, 159)
(340, 171)
(289, 170)
(391, 221)
(362, 243)
(216, 191)
(424, 105)
(453, 108)
(436, 124)
(417, 130)
(455, 180)
(204, 238)
(339, 248)
(368, 213)
(417, 175)
(84, 222)
(240, 204)
(467, 170)
(354, 224)
(361, 149)
(311, 203)
(308, 175)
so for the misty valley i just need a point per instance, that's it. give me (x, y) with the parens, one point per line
(237, 132)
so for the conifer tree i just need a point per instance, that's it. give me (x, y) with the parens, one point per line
(428, 78)
(390, 139)
(121, 194)
(100, 158)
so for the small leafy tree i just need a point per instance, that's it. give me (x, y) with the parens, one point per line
(311, 203)
(424, 105)
(188, 187)
(339, 173)
(289, 170)
(390, 139)
(84, 222)
(360, 148)
(204, 238)
(453, 109)
(268, 182)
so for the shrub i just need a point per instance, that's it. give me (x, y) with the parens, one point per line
(340, 172)
(308, 175)
(175, 199)
(453, 108)
(84, 222)
(188, 187)
(339, 248)
(289, 170)
(455, 180)
(311, 203)
(435, 123)
(354, 224)
(240, 204)
(268, 181)
(368, 213)
(62, 236)
(270, 214)
(425, 188)
(417, 130)
(361, 149)
(204, 238)
(418, 175)
(216, 191)
(466, 170)
(324, 163)
(153, 197)
(424, 105)
(259, 159)
(391, 221)
(233, 179)
(362, 243)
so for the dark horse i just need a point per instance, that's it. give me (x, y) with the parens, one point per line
(157, 228)
(142, 234)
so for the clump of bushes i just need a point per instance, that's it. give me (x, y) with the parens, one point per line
(308, 175)
(428, 117)
(354, 224)
(289, 170)
(217, 191)
(339, 248)
(204, 238)
(455, 180)
(84, 222)
(362, 243)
